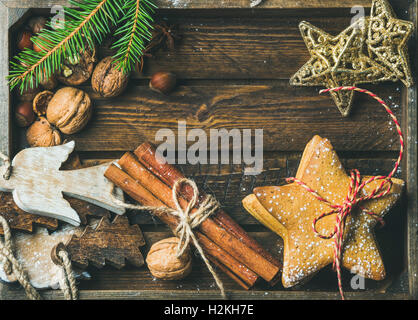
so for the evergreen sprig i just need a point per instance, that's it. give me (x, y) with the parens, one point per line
(85, 25)
(134, 32)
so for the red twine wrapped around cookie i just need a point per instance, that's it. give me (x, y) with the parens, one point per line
(354, 194)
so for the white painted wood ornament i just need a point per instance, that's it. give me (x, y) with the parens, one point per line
(33, 251)
(38, 185)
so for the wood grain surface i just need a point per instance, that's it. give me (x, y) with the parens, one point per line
(237, 48)
(20, 220)
(289, 117)
(209, 4)
(110, 242)
(233, 67)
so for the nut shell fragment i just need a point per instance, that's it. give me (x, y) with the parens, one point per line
(41, 101)
(78, 69)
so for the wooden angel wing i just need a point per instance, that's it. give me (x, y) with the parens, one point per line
(48, 202)
(42, 158)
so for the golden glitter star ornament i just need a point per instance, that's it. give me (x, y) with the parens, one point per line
(387, 41)
(372, 49)
(291, 210)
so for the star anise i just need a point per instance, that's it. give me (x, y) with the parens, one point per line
(163, 37)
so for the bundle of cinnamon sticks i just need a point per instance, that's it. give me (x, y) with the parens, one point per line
(144, 177)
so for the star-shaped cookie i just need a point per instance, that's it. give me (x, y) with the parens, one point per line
(290, 210)
(387, 41)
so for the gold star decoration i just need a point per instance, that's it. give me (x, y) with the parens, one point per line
(373, 49)
(290, 210)
(387, 41)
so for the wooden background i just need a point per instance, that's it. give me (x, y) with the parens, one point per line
(234, 66)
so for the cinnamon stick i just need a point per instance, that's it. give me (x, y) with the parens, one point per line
(228, 272)
(146, 154)
(139, 193)
(209, 228)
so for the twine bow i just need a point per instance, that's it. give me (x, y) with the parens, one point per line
(187, 220)
(354, 196)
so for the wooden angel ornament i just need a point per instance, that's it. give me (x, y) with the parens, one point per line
(38, 184)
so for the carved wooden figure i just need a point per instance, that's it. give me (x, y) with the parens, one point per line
(38, 184)
(33, 251)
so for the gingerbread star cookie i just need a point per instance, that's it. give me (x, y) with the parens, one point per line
(290, 210)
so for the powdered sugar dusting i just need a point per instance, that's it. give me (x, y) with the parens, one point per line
(33, 251)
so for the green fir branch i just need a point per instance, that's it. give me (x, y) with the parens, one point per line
(134, 31)
(88, 23)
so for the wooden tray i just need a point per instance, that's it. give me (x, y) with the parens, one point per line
(234, 63)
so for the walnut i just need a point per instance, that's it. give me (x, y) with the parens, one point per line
(37, 24)
(78, 69)
(163, 262)
(107, 80)
(42, 134)
(41, 101)
(69, 110)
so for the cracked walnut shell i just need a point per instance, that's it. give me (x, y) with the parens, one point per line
(42, 134)
(163, 262)
(78, 69)
(69, 110)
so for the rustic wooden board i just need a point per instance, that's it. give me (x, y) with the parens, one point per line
(225, 83)
(412, 173)
(237, 47)
(288, 116)
(211, 4)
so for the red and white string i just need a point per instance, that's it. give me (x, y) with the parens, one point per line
(353, 198)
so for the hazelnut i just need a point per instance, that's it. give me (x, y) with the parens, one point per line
(69, 110)
(27, 94)
(41, 47)
(78, 69)
(24, 41)
(163, 82)
(49, 83)
(41, 101)
(163, 262)
(42, 134)
(107, 80)
(24, 114)
(36, 24)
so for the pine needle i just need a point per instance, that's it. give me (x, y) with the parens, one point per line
(134, 31)
(86, 25)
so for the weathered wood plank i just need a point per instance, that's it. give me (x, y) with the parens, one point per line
(210, 4)
(4, 90)
(411, 173)
(289, 117)
(161, 294)
(237, 48)
(140, 279)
